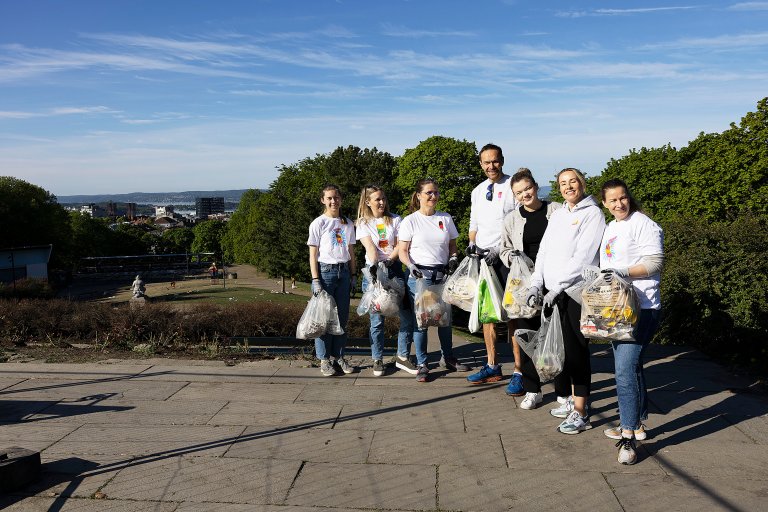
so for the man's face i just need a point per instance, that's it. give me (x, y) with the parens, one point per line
(492, 162)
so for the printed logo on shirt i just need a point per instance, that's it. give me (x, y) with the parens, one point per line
(499, 195)
(338, 237)
(381, 229)
(609, 248)
(441, 226)
(575, 222)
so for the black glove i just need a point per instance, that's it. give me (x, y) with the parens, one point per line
(492, 256)
(389, 262)
(352, 286)
(470, 250)
(515, 253)
(372, 270)
(453, 264)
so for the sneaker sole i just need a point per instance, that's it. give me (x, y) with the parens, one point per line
(573, 432)
(559, 415)
(487, 380)
(412, 371)
(642, 437)
(378, 374)
(522, 393)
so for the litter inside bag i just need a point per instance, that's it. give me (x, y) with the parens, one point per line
(320, 317)
(516, 289)
(609, 311)
(549, 355)
(384, 296)
(429, 307)
(460, 287)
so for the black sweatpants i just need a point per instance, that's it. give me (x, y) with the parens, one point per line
(577, 369)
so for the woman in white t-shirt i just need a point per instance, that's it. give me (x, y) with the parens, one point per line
(332, 264)
(377, 230)
(428, 248)
(633, 248)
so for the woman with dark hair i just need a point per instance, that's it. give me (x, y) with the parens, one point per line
(428, 248)
(570, 244)
(332, 264)
(633, 248)
(524, 228)
(377, 229)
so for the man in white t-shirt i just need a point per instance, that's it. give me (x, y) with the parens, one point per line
(491, 200)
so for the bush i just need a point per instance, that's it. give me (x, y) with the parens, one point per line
(715, 287)
(27, 289)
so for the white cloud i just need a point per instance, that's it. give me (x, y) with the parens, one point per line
(402, 31)
(749, 6)
(724, 42)
(620, 12)
(541, 52)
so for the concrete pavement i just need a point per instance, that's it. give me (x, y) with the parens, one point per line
(275, 436)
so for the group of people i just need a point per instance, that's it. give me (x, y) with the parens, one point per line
(569, 244)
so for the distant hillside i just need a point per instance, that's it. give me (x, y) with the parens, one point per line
(154, 198)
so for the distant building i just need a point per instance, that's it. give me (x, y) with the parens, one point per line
(130, 210)
(205, 206)
(164, 211)
(92, 209)
(165, 222)
(24, 263)
(111, 209)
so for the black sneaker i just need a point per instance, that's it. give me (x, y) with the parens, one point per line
(422, 373)
(406, 365)
(378, 368)
(453, 364)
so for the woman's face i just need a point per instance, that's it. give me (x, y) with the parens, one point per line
(429, 195)
(332, 201)
(570, 187)
(617, 202)
(377, 202)
(526, 193)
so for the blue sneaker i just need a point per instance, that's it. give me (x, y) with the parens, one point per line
(515, 387)
(486, 375)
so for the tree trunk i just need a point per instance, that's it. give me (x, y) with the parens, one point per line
(282, 284)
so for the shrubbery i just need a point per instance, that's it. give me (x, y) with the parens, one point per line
(160, 325)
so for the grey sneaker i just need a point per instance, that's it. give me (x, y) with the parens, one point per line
(564, 409)
(406, 365)
(344, 365)
(453, 364)
(423, 373)
(574, 424)
(326, 368)
(378, 368)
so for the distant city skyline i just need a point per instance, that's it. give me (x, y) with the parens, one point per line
(108, 97)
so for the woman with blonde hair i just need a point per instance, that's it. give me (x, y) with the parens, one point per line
(377, 229)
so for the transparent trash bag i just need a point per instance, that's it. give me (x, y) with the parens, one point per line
(461, 286)
(486, 308)
(384, 297)
(549, 355)
(609, 311)
(516, 289)
(429, 307)
(321, 316)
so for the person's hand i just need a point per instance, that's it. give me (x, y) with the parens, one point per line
(515, 253)
(492, 256)
(608, 273)
(372, 271)
(549, 299)
(590, 273)
(453, 263)
(533, 297)
(470, 250)
(316, 287)
(352, 286)
(389, 262)
(415, 272)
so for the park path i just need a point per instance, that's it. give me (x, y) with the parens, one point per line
(169, 435)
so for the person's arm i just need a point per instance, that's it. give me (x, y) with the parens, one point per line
(314, 268)
(352, 260)
(507, 246)
(586, 250)
(452, 248)
(371, 254)
(402, 252)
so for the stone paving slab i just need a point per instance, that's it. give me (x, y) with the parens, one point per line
(433, 448)
(317, 445)
(685, 493)
(205, 479)
(147, 412)
(277, 415)
(88, 389)
(230, 507)
(6, 382)
(72, 371)
(425, 395)
(34, 436)
(402, 418)
(309, 376)
(756, 428)
(36, 504)
(136, 440)
(335, 394)
(500, 490)
(691, 429)
(746, 460)
(708, 403)
(17, 410)
(207, 374)
(366, 486)
(239, 392)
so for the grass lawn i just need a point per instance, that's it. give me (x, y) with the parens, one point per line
(219, 295)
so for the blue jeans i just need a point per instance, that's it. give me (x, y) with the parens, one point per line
(630, 381)
(420, 335)
(335, 280)
(405, 333)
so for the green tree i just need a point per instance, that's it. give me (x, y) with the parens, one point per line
(208, 235)
(454, 165)
(32, 216)
(177, 240)
(238, 242)
(91, 237)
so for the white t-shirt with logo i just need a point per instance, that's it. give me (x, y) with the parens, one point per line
(383, 235)
(429, 236)
(487, 217)
(332, 238)
(625, 243)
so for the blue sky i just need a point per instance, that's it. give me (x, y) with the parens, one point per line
(132, 95)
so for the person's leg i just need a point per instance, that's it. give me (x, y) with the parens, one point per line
(530, 377)
(626, 355)
(489, 336)
(341, 295)
(419, 335)
(577, 357)
(324, 344)
(646, 327)
(376, 330)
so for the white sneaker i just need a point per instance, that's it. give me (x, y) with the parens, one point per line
(344, 365)
(616, 433)
(531, 400)
(627, 453)
(574, 424)
(562, 399)
(564, 410)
